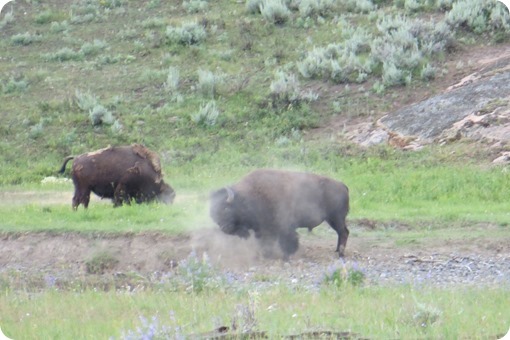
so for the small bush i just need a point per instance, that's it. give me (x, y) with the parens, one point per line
(101, 263)
(45, 17)
(64, 54)
(315, 7)
(253, 6)
(340, 274)
(14, 85)
(207, 115)
(7, 19)
(82, 19)
(188, 34)
(172, 80)
(152, 23)
(57, 27)
(85, 101)
(275, 11)
(197, 275)
(91, 49)
(479, 16)
(208, 83)
(360, 6)
(425, 316)
(428, 72)
(99, 115)
(24, 39)
(195, 6)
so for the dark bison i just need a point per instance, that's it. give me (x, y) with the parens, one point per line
(274, 203)
(122, 173)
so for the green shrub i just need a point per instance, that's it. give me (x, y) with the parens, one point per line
(360, 6)
(195, 6)
(189, 33)
(479, 16)
(253, 6)
(172, 80)
(207, 115)
(99, 115)
(275, 11)
(152, 23)
(57, 27)
(101, 263)
(24, 39)
(309, 8)
(14, 85)
(208, 83)
(285, 90)
(341, 274)
(45, 17)
(85, 100)
(8, 17)
(64, 54)
(91, 49)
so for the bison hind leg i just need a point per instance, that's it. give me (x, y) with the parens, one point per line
(289, 243)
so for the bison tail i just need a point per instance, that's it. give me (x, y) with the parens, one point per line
(63, 168)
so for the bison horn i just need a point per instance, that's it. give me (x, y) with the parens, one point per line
(230, 194)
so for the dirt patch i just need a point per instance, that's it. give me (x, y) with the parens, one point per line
(383, 260)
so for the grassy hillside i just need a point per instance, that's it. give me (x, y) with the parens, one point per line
(221, 87)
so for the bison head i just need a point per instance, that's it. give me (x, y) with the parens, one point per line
(224, 210)
(167, 193)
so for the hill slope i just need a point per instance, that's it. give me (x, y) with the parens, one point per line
(194, 78)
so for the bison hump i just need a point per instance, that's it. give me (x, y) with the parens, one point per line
(149, 155)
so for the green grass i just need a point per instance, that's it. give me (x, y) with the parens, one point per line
(374, 312)
(416, 188)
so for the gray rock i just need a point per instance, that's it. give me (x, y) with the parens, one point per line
(428, 119)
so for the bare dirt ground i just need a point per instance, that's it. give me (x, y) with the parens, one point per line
(36, 256)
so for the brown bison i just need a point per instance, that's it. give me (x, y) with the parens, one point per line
(122, 173)
(274, 203)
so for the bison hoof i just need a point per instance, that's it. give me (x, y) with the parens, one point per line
(341, 251)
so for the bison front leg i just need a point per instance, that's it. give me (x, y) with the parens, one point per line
(120, 195)
(289, 243)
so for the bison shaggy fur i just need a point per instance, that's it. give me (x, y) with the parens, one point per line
(122, 173)
(274, 203)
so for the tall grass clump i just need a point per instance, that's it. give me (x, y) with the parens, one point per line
(190, 33)
(275, 11)
(7, 19)
(171, 84)
(208, 83)
(207, 115)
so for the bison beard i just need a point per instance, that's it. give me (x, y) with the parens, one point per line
(121, 173)
(273, 204)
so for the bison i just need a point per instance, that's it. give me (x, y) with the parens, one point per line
(122, 173)
(274, 203)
